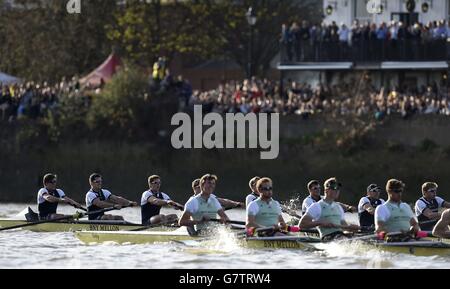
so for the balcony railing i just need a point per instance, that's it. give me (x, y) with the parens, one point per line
(366, 51)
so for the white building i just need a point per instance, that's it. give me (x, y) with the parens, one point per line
(383, 72)
(345, 11)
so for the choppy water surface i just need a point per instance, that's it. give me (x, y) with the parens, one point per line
(24, 249)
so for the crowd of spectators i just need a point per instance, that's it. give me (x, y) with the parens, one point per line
(264, 96)
(302, 42)
(32, 100)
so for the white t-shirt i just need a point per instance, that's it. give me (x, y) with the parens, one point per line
(253, 208)
(365, 200)
(315, 210)
(147, 194)
(192, 205)
(91, 196)
(307, 202)
(43, 191)
(421, 206)
(250, 198)
(382, 213)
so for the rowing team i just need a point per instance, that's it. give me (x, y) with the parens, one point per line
(262, 210)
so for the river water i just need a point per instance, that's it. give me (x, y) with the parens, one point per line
(24, 249)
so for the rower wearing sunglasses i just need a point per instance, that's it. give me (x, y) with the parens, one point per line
(395, 215)
(368, 204)
(265, 212)
(327, 214)
(314, 196)
(98, 198)
(427, 207)
(153, 200)
(49, 197)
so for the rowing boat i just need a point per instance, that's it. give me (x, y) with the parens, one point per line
(149, 237)
(127, 237)
(428, 247)
(80, 225)
(281, 242)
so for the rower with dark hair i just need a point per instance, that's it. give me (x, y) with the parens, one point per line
(327, 215)
(153, 200)
(98, 198)
(394, 215)
(368, 204)
(225, 203)
(49, 197)
(314, 196)
(427, 207)
(204, 206)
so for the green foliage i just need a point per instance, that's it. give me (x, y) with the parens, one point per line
(427, 145)
(41, 41)
(395, 147)
(117, 106)
(144, 31)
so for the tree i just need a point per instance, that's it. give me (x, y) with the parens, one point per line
(41, 41)
(228, 19)
(145, 30)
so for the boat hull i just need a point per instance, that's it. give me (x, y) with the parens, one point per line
(124, 237)
(74, 226)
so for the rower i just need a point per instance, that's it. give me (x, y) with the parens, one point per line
(203, 206)
(327, 215)
(254, 194)
(368, 204)
(314, 197)
(394, 215)
(265, 212)
(98, 198)
(49, 197)
(225, 203)
(427, 207)
(151, 202)
(442, 228)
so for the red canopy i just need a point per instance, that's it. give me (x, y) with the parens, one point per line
(105, 71)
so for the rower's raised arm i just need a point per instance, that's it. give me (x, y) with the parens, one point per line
(223, 216)
(102, 204)
(122, 201)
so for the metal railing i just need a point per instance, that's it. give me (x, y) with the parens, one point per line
(366, 51)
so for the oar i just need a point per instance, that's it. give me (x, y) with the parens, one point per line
(153, 226)
(228, 222)
(77, 215)
(383, 235)
(79, 207)
(428, 222)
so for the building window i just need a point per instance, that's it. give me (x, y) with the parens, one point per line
(360, 10)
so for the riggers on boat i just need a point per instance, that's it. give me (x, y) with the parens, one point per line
(80, 225)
